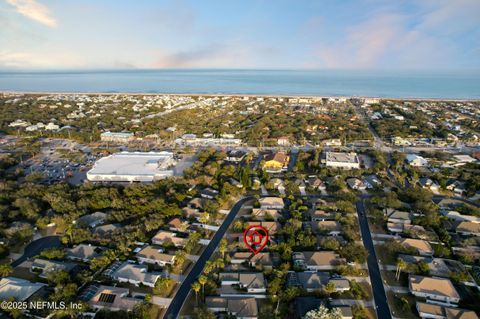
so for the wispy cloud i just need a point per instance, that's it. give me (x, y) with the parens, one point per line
(213, 55)
(35, 11)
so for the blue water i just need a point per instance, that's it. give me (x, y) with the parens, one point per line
(400, 84)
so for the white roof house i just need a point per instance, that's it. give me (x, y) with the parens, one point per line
(342, 160)
(416, 160)
(18, 288)
(136, 274)
(132, 167)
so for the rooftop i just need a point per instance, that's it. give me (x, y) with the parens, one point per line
(132, 166)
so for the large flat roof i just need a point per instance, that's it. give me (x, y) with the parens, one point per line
(132, 166)
(342, 157)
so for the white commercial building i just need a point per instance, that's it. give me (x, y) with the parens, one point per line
(132, 167)
(342, 160)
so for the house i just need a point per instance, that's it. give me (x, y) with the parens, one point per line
(276, 162)
(422, 247)
(177, 224)
(197, 203)
(83, 252)
(315, 281)
(188, 212)
(428, 183)
(45, 266)
(240, 257)
(317, 260)
(120, 137)
(266, 214)
(18, 289)
(106, 229)
(135, 274)
(372, 181)
(436, 289)
(92, 220)
(468, 229)
(271, 203)
(235, 156)
(355, 183)
(456, 186)
(266, 260)
(154, 255)
(327, 227)
(165, 237)
(416, 160)
(321, 215)
(111, 298)
(271, 227)
(397, 220)
(252, 282)
(241, 308)
(433, 311)
(342, 160)
(283, 141)
(316, 183)
(208, 193)
(302, 305)
(310, 281)
(456, 216)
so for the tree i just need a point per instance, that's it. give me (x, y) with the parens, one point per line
(223, 247)
(323, 313)
(196, 287)
(5, 270)
(202, 280)
(401, 265)
(53, 253)
(330, 287)
(163, 285)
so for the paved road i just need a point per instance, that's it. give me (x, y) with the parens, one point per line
(383, 311)
(35, 247)
(182, 293)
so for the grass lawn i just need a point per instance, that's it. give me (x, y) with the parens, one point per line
(169, 292)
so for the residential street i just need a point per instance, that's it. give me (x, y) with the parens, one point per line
(380, 298)
(182, 293)
(35, 247)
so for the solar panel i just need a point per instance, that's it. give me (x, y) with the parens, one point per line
(108, 298)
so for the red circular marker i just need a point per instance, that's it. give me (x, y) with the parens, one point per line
(255, 238)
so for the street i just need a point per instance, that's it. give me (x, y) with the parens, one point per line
(380, 298)
(182, 293)
(35, 247)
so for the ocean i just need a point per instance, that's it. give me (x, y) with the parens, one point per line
(396, 84)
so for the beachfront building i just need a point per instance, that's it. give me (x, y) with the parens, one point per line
(133, 167)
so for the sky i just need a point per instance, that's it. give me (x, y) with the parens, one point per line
(253, 34)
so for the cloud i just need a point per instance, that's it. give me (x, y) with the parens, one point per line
(35, 11)
(24, 60)
(427, 38)
(212, 55)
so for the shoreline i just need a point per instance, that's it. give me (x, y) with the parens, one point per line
(244, 95)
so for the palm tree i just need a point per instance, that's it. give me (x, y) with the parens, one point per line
(401, 264)
(196, 287)
(5, 270)
(208, 267)
(203, 280)
(223, 247)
